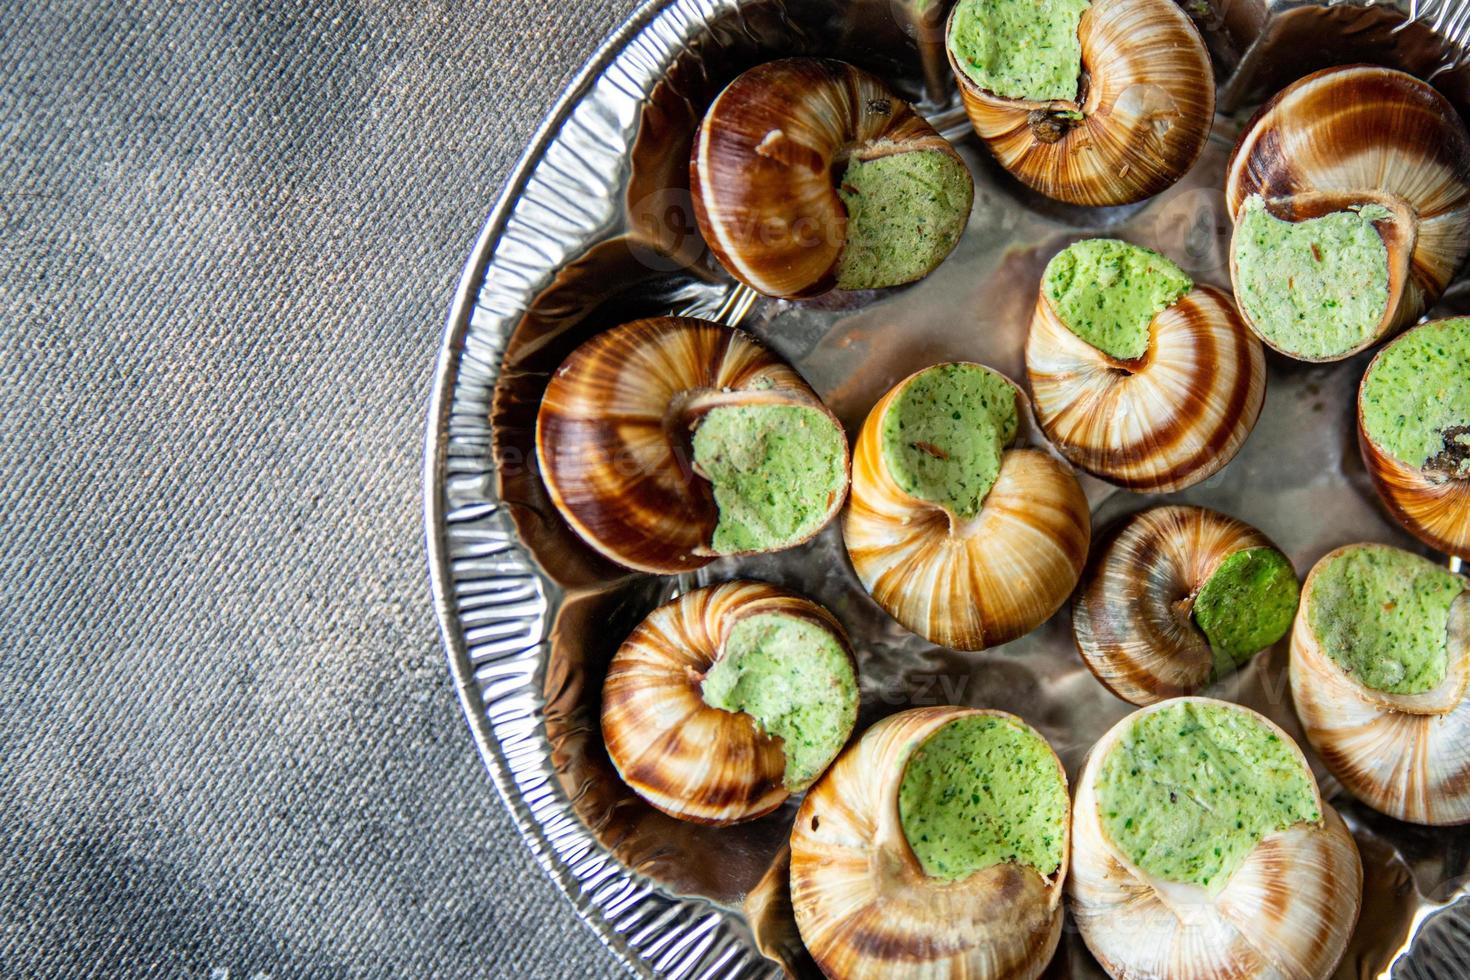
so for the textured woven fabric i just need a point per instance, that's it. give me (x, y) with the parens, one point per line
(228, 742)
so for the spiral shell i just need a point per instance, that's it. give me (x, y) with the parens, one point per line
(766, 162)
(1431, 502)
(1132, 617)
(685, 757)
(1164, 421)
(1404, 755)
(1365, 134)
(1288, 911)
(613, 435)
(864, 906)
(967, 584)
(1147, 104)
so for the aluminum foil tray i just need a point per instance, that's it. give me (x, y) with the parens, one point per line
(594, 228)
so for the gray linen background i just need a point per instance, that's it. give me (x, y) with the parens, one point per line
(228, 742)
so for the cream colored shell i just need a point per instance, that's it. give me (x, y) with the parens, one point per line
(1147, 108)
(1160, 423)
(1287, 912)
(865, 908)
(1404, 755)
(967, 584)
(690, 760)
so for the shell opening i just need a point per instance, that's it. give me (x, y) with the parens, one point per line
(983, 790)
(775, 470)
(1415, 399)
(795, 679)
(1020, 49)
(944, 435)
(1317, 287)
(1107, 292)
(1246, 605)
(905, 214)
(1189, 790)
(1383, 616)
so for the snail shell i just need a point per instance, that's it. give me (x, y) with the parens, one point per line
(614, 436)
(1147, 103)
(687, 758)
(1432, 501)
(1133, 616)
(1161, 422)
(1287, 911)
(1406, 755)
(769, 162)
(1364, 134)
(966, 583)
(865, 907)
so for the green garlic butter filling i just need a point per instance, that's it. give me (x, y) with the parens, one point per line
(775, 470)
(1315, 288)
(1190, 790)
(1107, 292)
(1416, 398)
(795, 680)
(1247, 604)
(1019, 49)
(945, 433)
(905, 213)
(981, 791)
(1383, 615)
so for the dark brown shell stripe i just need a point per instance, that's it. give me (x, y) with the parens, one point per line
(1436, 510)
(1119, 152)
(1193, 401)
(762, 174)
(1363, 128)
(614, 434)
(1131, 617)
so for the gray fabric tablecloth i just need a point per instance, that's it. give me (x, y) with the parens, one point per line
(229, 747)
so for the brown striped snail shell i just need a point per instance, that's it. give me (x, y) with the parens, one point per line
(865, 907)
(963, 583)
(1406, 755)
(1146, 105)
(1288, 911)
(687, 758)
(1161, 422)
(614, 435)
(1133, 615)
(768, 163)
(1431, 501)
(1365, 134)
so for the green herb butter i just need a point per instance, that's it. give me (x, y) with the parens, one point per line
(1107, 292)
(1416, 398)
(1383, 615)
(1316, 288)
(943, 436)
(774, 469)
(1247, 604)
(981, 791)
(794, 678)
(1019, 49)
(905, 213)
(1191, 788)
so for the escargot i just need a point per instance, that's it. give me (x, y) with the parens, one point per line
(1414, 431)
(935, 846)
(960, 537)
(1138, 375)
(809, 174)
(1350, 193)
(1178, 597)
(1380, 662)
(1202, 847)
(1096, 103)
(668, 442)
(727, 700)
